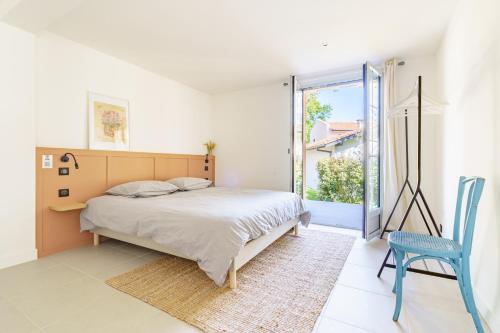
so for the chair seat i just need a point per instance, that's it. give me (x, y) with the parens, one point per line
(424, 244)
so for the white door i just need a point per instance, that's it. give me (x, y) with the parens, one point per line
(297, 138)
(373, 143)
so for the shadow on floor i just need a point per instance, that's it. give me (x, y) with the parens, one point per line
(336, 214)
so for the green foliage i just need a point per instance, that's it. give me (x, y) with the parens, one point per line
(298, 178)
(341, 180)
(314, 112)
(312, 194)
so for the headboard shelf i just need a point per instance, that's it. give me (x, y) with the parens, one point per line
(68, 207)
(98, 170)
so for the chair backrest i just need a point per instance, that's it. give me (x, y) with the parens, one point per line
(474, 185)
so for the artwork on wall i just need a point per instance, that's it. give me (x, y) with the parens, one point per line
(108, 123)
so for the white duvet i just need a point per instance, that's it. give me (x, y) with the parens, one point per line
(210, 225)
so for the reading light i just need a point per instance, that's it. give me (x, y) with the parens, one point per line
(65, 159)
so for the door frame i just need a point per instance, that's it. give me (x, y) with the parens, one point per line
(293, 89)
(367, 214)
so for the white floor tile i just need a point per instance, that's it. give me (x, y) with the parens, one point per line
(427, 318)
(48, 305)
(366, 256)
(365, 278)
(114, 311)
(18, 283)
(66, 293)
(111, 270)
(328, 325)
(350, 232)
(365, 310)
(161, 323)
(12, 320)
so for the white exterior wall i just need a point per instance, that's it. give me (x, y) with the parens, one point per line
(311, 173)
(319, 131)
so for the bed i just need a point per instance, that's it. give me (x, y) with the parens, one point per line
(219, 228)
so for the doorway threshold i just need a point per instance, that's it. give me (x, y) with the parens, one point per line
(324, 228)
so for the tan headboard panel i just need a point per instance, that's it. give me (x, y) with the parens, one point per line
(98, 170)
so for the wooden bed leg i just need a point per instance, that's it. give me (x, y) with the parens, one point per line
(96, 239)
(296, 230)
(232, 276)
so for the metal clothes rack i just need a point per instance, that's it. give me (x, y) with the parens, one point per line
(415, 193)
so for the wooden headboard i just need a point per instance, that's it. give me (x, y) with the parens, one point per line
(98, 170)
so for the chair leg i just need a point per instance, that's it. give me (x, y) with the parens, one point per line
(399, 284)
(469, 297)
(458, 274)
(395, 278)
(463, 292)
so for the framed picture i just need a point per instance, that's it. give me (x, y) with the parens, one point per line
(108, 123)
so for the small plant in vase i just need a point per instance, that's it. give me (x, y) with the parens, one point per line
(210, 145)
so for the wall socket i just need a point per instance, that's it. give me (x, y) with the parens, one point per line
(63, 171)
(63, 192)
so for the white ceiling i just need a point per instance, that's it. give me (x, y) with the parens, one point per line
(223, 45)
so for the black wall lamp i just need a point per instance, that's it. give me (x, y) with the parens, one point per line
(65, 159)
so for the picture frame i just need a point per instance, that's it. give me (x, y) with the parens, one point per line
(108, 119)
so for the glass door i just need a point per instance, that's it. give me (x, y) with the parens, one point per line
(372, 83)
(297, 139)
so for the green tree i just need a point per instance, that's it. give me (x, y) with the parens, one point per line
(315, 111)
(298, 178)
(341, 180)
(311, 194)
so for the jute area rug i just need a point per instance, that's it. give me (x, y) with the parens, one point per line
(283, 289)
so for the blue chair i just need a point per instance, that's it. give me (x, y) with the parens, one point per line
(454, 252)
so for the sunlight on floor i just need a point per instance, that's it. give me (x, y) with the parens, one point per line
(66, 292)
(361, 302)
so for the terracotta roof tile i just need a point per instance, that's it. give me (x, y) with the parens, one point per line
(344, 126)
(338, 132)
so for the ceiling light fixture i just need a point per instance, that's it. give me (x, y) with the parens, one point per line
(325, 44)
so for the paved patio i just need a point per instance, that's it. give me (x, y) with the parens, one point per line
(336, 214)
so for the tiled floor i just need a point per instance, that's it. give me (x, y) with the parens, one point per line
(66, 293)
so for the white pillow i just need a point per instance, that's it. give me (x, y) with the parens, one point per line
(190, 183)
(143, 189)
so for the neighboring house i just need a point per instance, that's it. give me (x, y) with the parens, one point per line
(331, 139)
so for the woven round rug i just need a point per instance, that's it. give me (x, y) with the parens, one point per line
(283, 289)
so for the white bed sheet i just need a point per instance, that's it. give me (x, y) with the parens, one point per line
(209, 225)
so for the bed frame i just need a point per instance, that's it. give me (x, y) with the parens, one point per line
(58, 216)
(251, 249)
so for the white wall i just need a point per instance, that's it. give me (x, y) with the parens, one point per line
(165, 116)
(406, 77)
(17, 146)
(469, 72)
(313, 156)
(319, 131)
(44, 83)
(252, 131)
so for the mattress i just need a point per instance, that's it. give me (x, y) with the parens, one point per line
(210, 225)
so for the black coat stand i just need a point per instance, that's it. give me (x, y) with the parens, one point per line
(415, 193)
